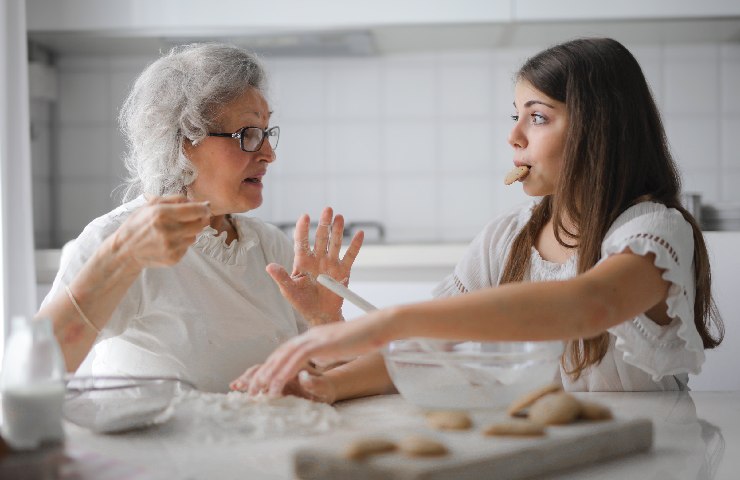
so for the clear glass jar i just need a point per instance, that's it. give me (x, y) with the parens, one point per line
(32, 385)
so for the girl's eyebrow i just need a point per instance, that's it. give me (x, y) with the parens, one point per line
(535, 102)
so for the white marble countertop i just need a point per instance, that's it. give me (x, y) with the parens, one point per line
(696, 436)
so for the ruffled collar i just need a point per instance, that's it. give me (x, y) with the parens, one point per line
(551, 270)
(213, 244)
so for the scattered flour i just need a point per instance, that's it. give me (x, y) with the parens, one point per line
(213, 417)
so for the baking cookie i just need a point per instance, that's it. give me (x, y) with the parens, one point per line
(595, 411)
(418, 446)
(555, 409)
(517, 173)
(516, 428)
(515, 409)
(449, 420)
(364, 447)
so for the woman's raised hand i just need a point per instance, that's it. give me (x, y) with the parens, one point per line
(159, 233)
(316, 303)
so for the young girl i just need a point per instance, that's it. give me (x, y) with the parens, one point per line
(607, 259)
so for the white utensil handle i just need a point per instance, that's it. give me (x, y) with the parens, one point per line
(345, 293)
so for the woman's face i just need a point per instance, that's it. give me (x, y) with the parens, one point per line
(228, 177)
(538, 138)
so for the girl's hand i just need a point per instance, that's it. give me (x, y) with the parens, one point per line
(309, 383)
(159, 233)
(316, 303)
(322, 344)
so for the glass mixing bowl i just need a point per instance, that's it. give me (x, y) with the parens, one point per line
(463, 375)
(119, 403)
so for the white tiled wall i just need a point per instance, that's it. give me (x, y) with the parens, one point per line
(415, 141)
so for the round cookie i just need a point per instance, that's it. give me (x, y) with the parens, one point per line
(516, 407)
(517, 173)
(516, 428)
(555, 409)
(364, 447)
(449, 420)
(595, 411)
(418, 446)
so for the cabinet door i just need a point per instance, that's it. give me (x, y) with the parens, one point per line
(564, 10)
(719, 372)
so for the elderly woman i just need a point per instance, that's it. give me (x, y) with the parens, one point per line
(175, 281)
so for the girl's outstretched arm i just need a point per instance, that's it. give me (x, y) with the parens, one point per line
(618, 289)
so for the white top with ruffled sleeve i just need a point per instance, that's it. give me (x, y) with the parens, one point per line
(642, 355)
(205, 319)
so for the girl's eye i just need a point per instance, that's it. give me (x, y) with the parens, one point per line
(515, 118)
(537, 119)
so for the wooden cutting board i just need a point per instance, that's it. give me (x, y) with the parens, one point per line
(473, 455)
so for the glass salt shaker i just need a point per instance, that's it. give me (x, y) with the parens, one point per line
(32, 385)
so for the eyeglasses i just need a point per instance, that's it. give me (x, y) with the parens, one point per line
(252, 138)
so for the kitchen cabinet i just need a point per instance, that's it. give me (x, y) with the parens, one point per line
(142, 26)
(143, 17)
(565, 10)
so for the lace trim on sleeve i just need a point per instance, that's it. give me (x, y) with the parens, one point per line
(661, 350)
(449, 287)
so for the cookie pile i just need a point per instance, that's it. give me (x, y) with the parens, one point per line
(533, 413)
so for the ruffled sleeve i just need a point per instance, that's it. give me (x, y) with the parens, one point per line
(677, 347)
(483, 261)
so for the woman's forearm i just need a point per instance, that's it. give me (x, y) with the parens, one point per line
(98, 289)
(361, 377)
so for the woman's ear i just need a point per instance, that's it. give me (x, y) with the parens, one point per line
(187, 147)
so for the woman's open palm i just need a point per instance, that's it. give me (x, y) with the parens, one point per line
(315, 302)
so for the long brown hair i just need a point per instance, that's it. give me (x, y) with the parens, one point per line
(615, 155)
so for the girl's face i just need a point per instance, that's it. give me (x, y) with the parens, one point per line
(538, 138)
(228, 177)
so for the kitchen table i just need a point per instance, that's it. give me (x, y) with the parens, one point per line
(696, 436)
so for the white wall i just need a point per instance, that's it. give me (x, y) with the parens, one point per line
(416, 141)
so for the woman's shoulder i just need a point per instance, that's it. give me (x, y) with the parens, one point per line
(101, 227)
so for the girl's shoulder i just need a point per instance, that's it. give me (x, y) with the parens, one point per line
(654, 218)
(510, 222)
(651, 226)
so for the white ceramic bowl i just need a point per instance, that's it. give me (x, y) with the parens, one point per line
(464, 375)
(116, 404)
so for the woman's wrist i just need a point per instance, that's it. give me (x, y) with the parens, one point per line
(117, 258)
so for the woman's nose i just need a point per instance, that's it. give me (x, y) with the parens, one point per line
(266, 152)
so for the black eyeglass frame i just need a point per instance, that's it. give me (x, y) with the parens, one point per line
(239, 134)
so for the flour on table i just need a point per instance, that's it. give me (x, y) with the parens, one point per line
(217, 416)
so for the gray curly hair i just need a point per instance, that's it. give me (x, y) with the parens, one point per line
(179, 97)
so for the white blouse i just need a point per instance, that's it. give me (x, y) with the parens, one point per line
(205, 319)
(642, 355)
